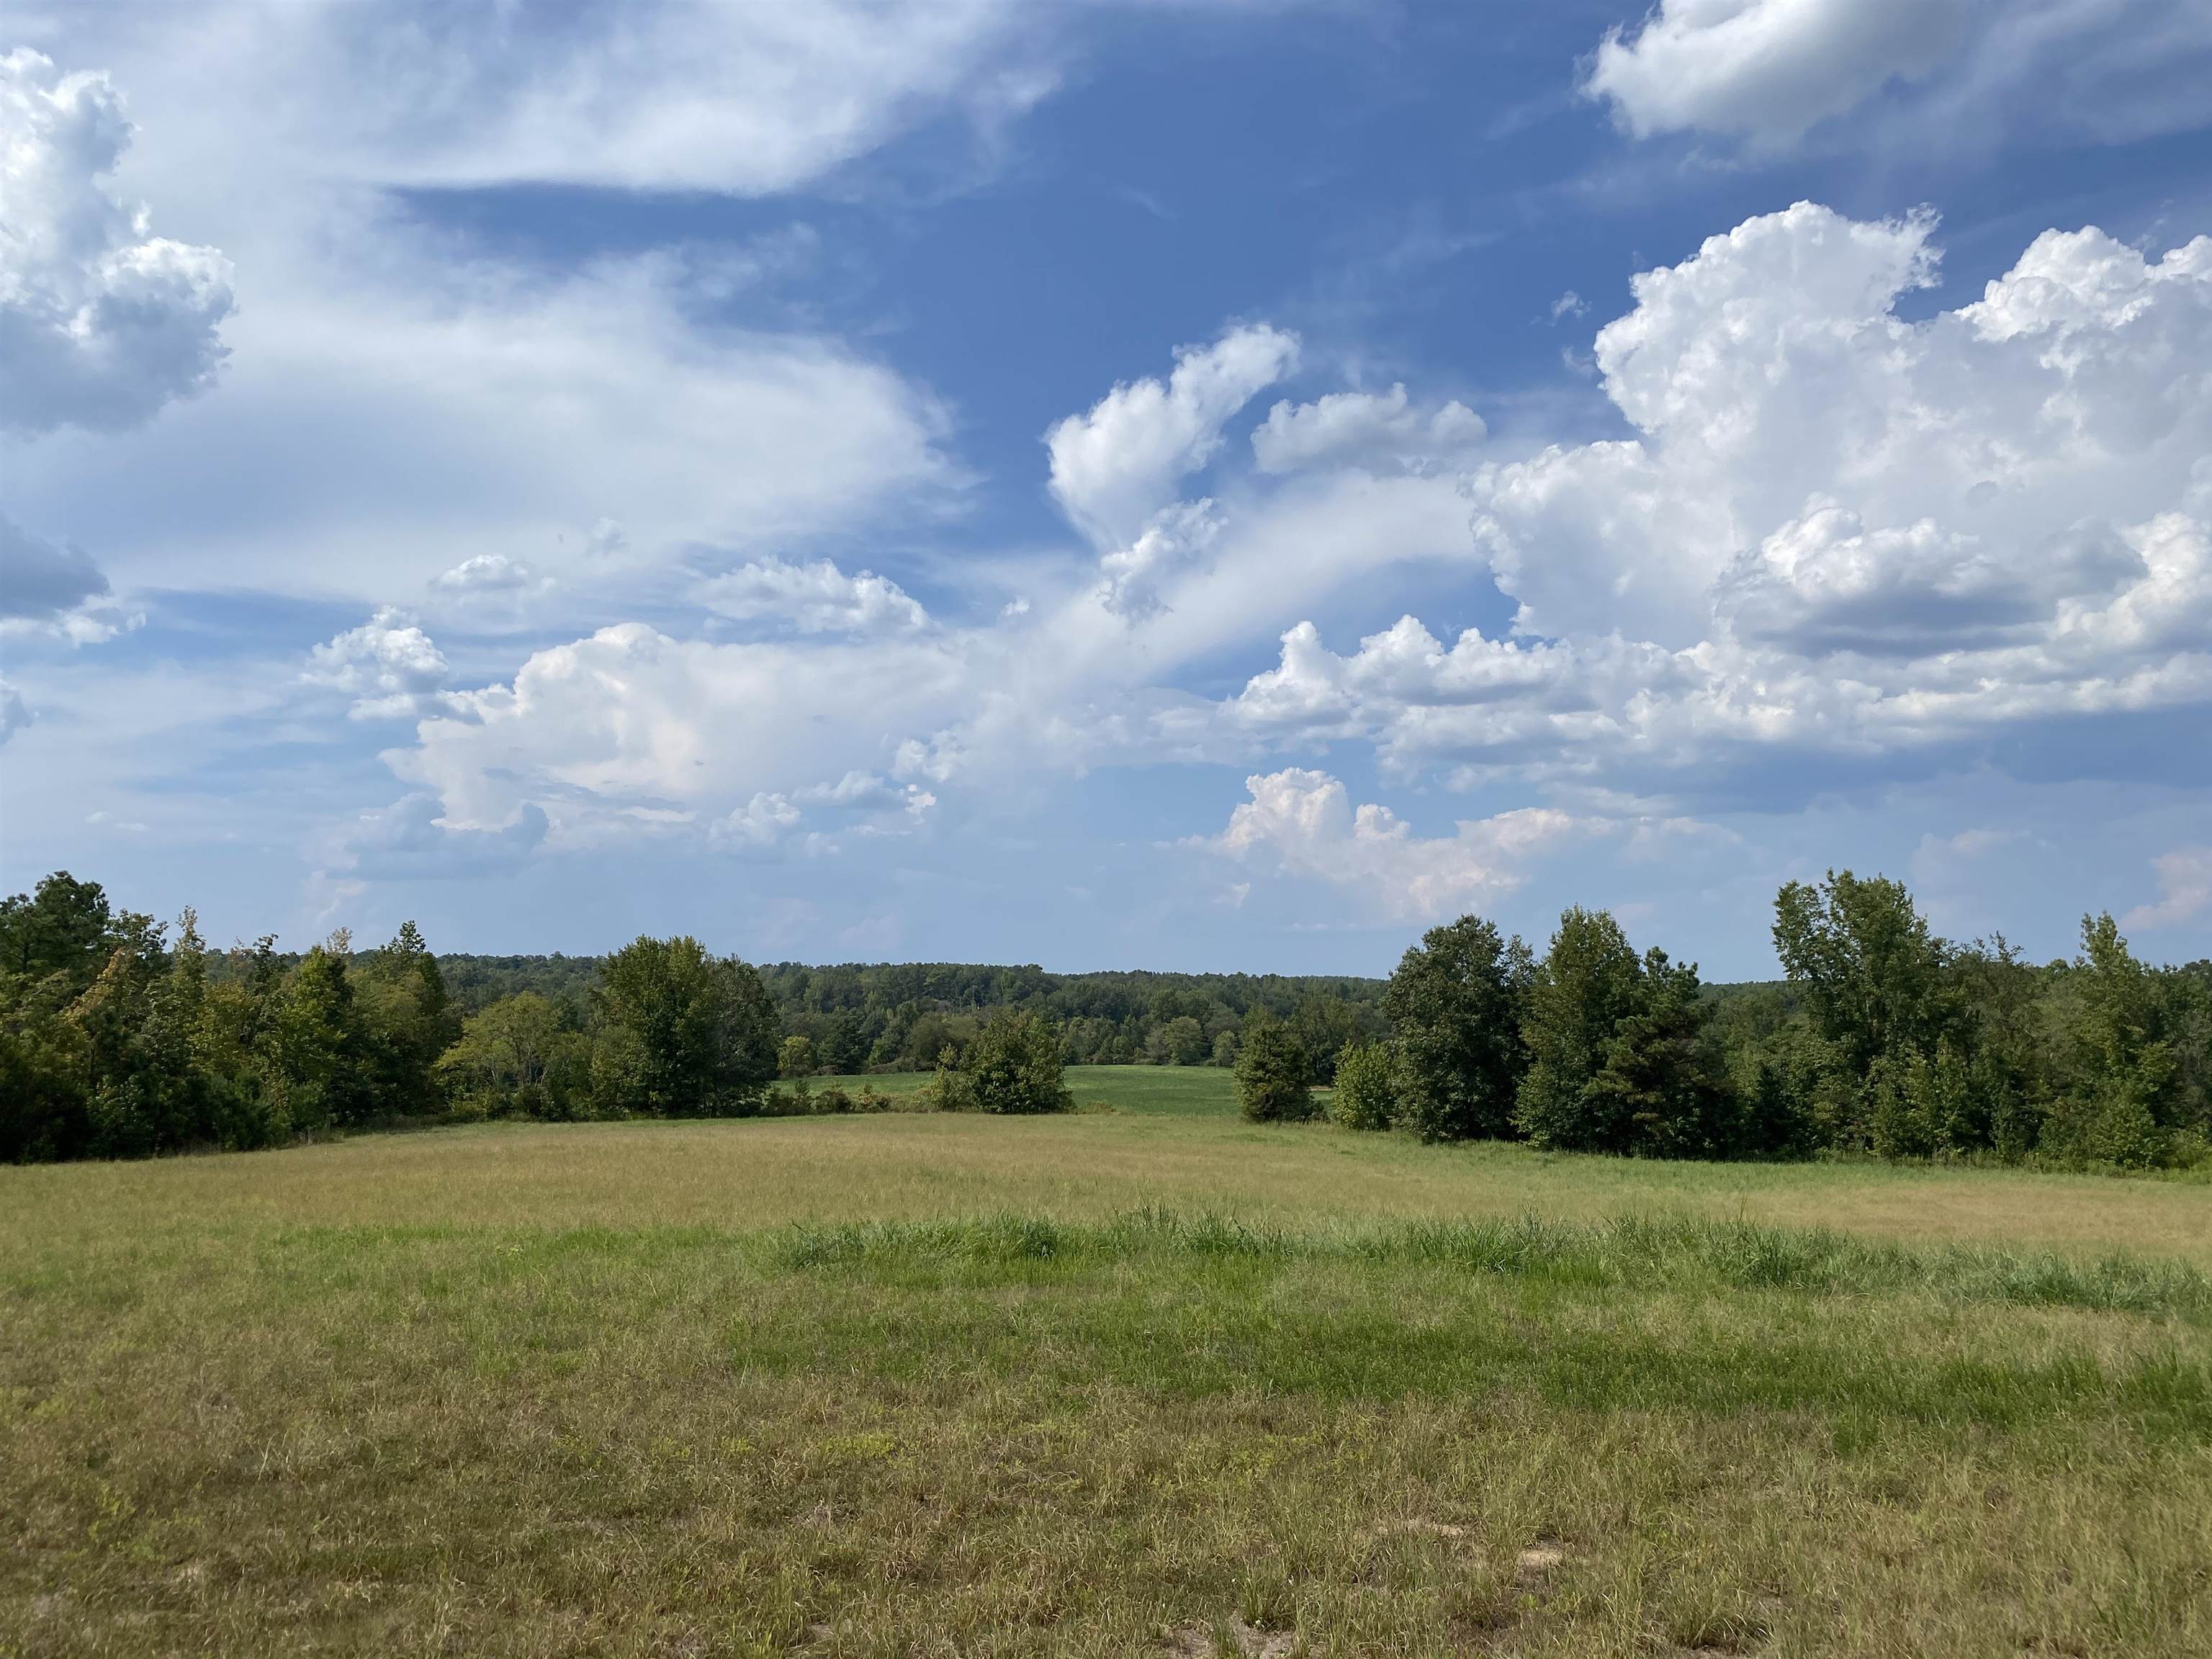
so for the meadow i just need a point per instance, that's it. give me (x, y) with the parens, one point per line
(1144, 1378)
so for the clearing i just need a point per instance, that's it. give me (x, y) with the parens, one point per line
(1151, 1380)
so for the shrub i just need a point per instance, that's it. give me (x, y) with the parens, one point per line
(1013, 1066)
(1367, 1086)
(1272, 1070)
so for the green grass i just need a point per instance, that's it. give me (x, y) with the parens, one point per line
(1150, 1090)
(1129, 1382)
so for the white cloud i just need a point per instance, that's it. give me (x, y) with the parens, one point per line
(2184, 888)
(1772, 68)
(1363, 428)
(1836, 536)
(761, 821)
(516, 410)
(630, 722)
(1116, 465)
(1569, 304)
(487, 572)
(1303, 824)
(388, 666)
(1768, 71)
(865, 792)
(636, 95)
(813, 598)
(101, 322)
(1835, 532)
(1771, 380)
(1178, 539)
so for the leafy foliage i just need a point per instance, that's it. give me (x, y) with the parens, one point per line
(1455, 1004)
(1014, 1066)
(1273, 1074)
(1367, 1086)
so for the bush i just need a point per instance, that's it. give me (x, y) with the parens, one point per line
(1367, 1086)
(1013, 1066)
(1271, 1069)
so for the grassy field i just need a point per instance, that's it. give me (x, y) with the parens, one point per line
(1149, 1090)
(1148, 1380)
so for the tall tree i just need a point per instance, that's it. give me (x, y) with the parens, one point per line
(1589, 982)
(1455, 1005)
(1872, 978)
(1662, 1092)
(683, 1033)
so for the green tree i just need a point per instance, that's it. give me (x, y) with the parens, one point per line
(2120, 1095)
(1181, 1042)
(1274, 1073)
(1860, 955)
(1013, 1066)
(1367, 1086)
(1455, 1005)
(683, 1034)
(61, 926)
(1588, 983)
(408, 1021)
(518, 1056)
(316, 1043)
(1662, 1091)
(795, 1059)
(1873, 980)
(1326, 1026)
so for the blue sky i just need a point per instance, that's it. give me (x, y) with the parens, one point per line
(1173, 486)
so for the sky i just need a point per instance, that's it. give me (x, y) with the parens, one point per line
(1177, 486)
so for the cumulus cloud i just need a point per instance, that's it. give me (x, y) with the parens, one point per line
(631, 722)
(1836, 531)
(1837, 544)
(1777, 393)
(388, 666)
(1768, 71)
(1303, 822)
(1116, 465)
(101, 322)
(812, 598)
(2184, 888)
(1364, 428)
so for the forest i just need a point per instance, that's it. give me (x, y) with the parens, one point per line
(121, 1036)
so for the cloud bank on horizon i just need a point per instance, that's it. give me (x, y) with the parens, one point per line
(611, 502)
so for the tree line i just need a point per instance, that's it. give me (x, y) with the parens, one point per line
(121, 1037)
(899, 1016)
(1883, 1038)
